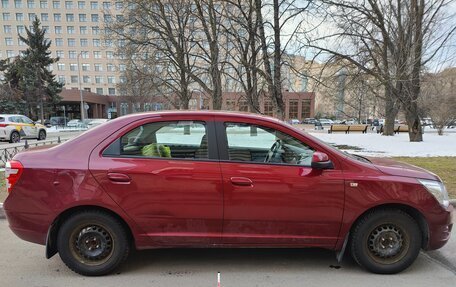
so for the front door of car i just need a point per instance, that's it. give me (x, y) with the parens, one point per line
(166, 176)
(271, 194)
(29, 127)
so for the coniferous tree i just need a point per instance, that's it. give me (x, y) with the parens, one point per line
(36, 81)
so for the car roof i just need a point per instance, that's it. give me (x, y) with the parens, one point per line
(231, 114)
(10, 115)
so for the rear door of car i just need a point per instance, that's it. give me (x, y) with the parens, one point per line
(166, 175)
(278, 202)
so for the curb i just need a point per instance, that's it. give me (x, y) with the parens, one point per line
(2, 213)
(453, 202)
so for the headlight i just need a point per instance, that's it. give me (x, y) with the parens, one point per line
(438, 190)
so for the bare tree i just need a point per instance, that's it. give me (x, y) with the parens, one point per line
(388, 40)
(438, 99)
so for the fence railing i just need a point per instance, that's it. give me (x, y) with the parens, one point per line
(9, 151)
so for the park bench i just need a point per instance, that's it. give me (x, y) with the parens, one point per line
(401, 129)
(357, 128)
(338, 128)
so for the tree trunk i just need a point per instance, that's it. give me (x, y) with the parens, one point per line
(390, 116)
(414, 123)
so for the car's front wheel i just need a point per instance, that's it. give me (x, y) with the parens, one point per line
(15, 137)
(386, 241)
(92, 243)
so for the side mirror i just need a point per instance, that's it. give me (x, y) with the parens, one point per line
(320, 160)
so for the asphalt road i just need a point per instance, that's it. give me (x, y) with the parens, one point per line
(23, 264)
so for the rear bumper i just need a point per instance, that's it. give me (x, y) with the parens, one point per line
(440, 231)
(27, 226)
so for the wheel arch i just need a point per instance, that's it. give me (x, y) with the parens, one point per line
(413, 212)
(51, 238)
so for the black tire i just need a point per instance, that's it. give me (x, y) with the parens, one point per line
(386, 241)
(93, 243)
(15, 137)
(41, 135)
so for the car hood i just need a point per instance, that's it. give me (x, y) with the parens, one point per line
(392, 167)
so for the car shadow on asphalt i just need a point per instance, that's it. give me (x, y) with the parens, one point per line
(234, 259)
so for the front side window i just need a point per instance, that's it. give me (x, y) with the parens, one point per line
(252, 143)
(177, 139)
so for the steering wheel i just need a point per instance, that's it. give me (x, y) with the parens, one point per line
(273, 150)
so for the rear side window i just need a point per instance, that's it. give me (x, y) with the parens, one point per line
(179, 139)
(2, 119)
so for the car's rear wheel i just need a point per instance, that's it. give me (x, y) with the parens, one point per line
(92, 243)
(15, 137)
(386, 241)
(41, 135)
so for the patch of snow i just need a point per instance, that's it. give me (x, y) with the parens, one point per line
(399, 145)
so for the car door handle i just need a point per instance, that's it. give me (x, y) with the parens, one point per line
(241, 181)
(118, 177)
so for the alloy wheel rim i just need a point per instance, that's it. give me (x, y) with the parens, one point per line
(15, 137)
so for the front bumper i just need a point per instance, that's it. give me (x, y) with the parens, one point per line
(440, 231)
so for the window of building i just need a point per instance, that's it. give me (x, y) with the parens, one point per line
(107, 18)
(268, 108)
(71, 42)
(85, 54)
(97, 54)
(69, 4)
(70, 17)
(44, 17)
(30, 4)
(81, 4)
(6, 16)
(61, 79)
(98, 67)
(84, 42)
(109, 55)
(20, 29)
(59, 42)
(119, 5)
(18, 4)
(56, 4)
(100, 91)
(19, 17)
(57, 17)
(122, 67)
(58, 29)
(9, 41)
(110, 67)
(83, 30)
(43, 4)
(106, 5)
(74, 79)
(94, 5)
(82, 18)
(305, 108)
(73, 67)
(85, 67)
(111, 80)
(5, 4)
(9, 53)
(7, 29)
(60, 54)
(20, 43)
(293, 109)
(111, 91)
(265, 145)
(31, 16)
(230, 105)
(72, 54)
(243, 106)
(99, 79)
(95, 30)
(60, 67)
(70, 29)
(86, 79)
(96, 42)
(94, 17)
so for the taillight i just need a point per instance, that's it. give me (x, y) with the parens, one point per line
(3, 125)
(13, 171)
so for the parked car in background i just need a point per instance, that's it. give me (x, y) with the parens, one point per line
(294, 121)
(197, 179)
(326, 122)
(13, 128)
(58, 121)
(309, 121)
(76, 123)
(95, 122)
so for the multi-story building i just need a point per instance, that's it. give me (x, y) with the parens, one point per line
(76, 31)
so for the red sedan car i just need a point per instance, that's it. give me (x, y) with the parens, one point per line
(217, 179)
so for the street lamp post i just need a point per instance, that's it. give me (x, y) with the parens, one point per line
(80, 89)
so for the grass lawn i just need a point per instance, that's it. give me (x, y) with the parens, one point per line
(444, 166)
